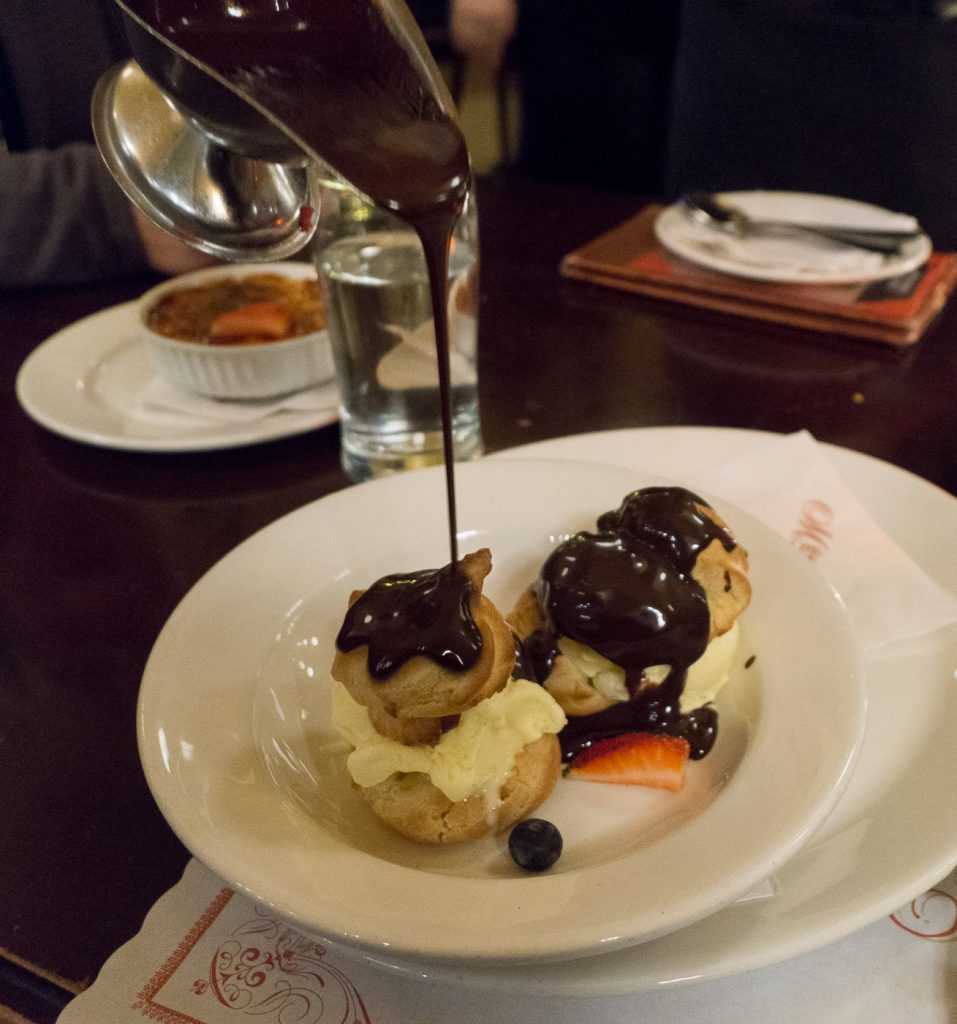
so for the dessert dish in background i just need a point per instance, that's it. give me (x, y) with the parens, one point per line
(243, 333)
(240, 310)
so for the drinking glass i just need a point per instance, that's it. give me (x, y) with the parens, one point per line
(379, 316)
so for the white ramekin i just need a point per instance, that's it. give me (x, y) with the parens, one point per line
(243, 371)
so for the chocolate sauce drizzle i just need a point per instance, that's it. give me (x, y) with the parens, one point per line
(670, 520)
(623, 599)
(406, 614)
(347, 81)
(342, 79)
(659, 713)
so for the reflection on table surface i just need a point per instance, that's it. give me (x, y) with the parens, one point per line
(98, 546)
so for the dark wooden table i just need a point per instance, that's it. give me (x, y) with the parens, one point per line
(98, 546)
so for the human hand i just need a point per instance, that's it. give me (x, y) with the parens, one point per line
(165, 253)
(481, 29)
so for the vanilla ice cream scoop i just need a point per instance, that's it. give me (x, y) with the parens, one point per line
(703, 681)
(477, 753)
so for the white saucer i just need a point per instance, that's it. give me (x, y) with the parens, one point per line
(892, 835)
(792, 259)
(636, 864)
(85, 381)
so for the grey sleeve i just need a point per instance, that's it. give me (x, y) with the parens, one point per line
(63, 220)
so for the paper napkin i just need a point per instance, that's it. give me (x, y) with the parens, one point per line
(162, 401)
(207, 955)
(790, 485)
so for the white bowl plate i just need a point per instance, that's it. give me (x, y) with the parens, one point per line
(267, 806)
(87, 383)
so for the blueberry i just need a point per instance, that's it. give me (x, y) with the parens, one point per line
(535, 844)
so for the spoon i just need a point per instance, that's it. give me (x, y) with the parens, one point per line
(709, 209)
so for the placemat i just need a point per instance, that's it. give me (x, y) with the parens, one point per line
(896, 312)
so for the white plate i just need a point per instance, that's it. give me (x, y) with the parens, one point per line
(637, 863)
(793, 258)
(893, 833)
(85, 381)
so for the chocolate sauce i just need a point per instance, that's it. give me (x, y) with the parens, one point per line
(670, 520)
(351, 82)
(535, 655)
(436, 236)
(625, 600)
(407, 614)
(660, 714)
(524, 667)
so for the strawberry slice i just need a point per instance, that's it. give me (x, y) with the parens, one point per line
(257, 320)
(634, 759)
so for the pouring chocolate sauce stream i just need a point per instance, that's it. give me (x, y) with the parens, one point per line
(350, 81)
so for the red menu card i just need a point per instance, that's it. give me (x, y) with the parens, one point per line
(896, 311)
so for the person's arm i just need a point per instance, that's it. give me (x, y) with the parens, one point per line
(63, 220)
(481, 29)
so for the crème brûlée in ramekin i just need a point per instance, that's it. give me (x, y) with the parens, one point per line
(447, 745)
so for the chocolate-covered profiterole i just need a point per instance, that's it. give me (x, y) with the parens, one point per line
(418, 647)
(407, 614)
(629, 594)
(446, 745)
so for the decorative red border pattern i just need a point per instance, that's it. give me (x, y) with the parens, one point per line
(932, 915)
(144, 1000)
(260, 967)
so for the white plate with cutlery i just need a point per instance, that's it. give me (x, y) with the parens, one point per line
(789, 256)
